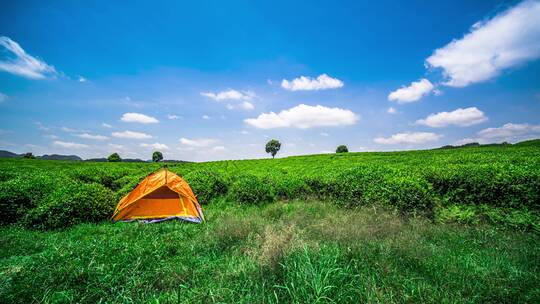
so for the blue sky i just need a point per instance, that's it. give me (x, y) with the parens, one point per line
(216, 80)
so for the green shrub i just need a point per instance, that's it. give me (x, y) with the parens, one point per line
(500, 186)
(21, 194)
(408, 193)
(287, 186)
(206, 185)
(250, 189)
(70, 204)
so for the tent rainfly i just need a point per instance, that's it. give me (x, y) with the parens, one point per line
(161, 196)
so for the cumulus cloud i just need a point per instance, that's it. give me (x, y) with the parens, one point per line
(206, 117)
(408, 138)
(82, 79)
(304, 83)
(245, 105)
(3, 97)
(92, 136)
(172, 116)
(197, 143)
(22, 64)
(229, 94)
(391, 110)
(304, 117)
(413, 92)
(116, 146)
(106, 125)
(131, 135)
(138, 118)
(460, 117)
(219, 148)
(507, 40)
(155, 146)
(70, 145)
(510, 131)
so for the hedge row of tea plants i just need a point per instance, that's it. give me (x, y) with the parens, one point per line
(52, 194)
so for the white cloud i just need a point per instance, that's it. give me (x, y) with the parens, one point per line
(116, 146)
(507, 40)
(51, 136)
(138, 118)
(3, 97)
(70, 130)
(391, 110)
(304, 83)
(244, 132)
(230, 95)
(156, 146)
(206, 117)
(245, 105)
(106, 125)
(172, 116)
(219, 148)
(460, 117)
(131, 135)
(304, 117)
(198, 143)
(510, 131)
(23, 64)
(324, 134)
(408, 138)
(41, 126)
(91, 136)
(413, 92)
(82, 79)
(70, 145)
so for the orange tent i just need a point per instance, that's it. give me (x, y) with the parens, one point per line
(161, 196)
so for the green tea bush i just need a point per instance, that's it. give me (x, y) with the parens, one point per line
(358, 186)
(288, 186)
(251, 189)
(408, 193)
(20, 195)
(70, 204)
(500, 186)
(206, 185)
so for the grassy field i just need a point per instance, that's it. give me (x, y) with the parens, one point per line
(295, 252)
(450, 226)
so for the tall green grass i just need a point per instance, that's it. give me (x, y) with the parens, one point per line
(296, 252)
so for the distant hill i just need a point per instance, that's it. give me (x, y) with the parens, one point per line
(7, 154)
(96, 160)
(526, 143)
(127, 160)
(59, 157)
(133, 160)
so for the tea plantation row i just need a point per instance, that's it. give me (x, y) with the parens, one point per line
(50, 194)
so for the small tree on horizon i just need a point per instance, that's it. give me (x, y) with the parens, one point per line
(342, 149)
(157, 156)
(29, 155)
(273, 147)
(114, 158)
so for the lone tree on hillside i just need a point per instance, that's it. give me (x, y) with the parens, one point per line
(157, 156)
(114, 158)
(28, 155)
(342, 149)
(273, 147)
